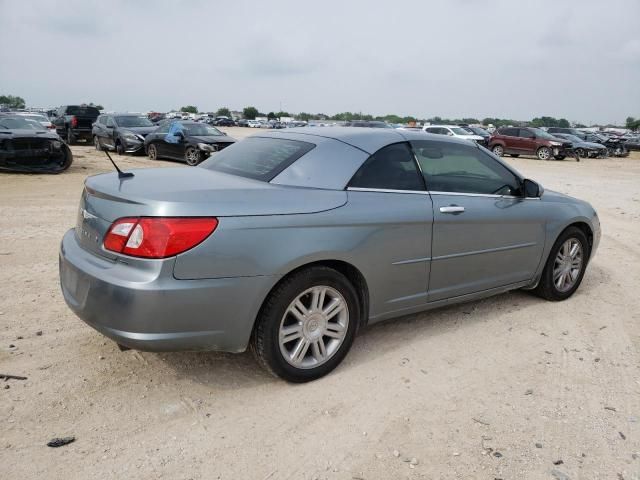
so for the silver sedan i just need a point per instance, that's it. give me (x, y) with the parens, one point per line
(289, 242)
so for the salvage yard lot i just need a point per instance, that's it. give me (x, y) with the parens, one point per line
(500, 388)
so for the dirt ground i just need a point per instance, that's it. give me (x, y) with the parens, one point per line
(511, 387)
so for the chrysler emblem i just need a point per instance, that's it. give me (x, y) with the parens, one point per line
(86, 215)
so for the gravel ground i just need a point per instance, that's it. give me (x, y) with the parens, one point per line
(511, 387)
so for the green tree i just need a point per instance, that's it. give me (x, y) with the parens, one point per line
(282, 114)
(12, 101)
(189, 109)
(250, 113)
(271, 116)
(631, 123)
(223, 112)
(304, 116)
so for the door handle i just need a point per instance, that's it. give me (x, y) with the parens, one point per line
(452, 209)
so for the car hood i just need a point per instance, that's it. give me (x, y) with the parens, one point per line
(211, 139)
(196, 191)
(140, 130)
(471, 137)
(27, 133)
(557, 197)
(597, 146)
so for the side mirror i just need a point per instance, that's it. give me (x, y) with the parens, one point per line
(532, 189)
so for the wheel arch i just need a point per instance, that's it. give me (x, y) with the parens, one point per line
(353, 274)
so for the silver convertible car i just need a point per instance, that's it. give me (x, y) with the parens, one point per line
(289, 242)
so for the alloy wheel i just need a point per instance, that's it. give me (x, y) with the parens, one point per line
(544, 153)
(192, 156)
(313, 327)
(152, 152)
(568, 265)
(498, 150)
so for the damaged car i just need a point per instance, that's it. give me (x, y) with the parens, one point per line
(187, 141)
(583, 148)
(122, 132)
(26, 147)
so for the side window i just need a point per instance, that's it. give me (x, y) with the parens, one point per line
(110, 122)
(164, 128)
(101, 120)
(451, 167)
(392, 168)
(524, 133)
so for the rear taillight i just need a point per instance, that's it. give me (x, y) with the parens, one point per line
(51, 126)
(74, 121)
(157, 237)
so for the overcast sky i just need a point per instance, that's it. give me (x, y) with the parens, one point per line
(578, 59)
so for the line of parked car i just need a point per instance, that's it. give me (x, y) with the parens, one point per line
(194, 140)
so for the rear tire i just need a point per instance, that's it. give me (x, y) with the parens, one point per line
(563, 272)
(581, 153)
(294, 338)
(544, 153)
(96, 143)
(70, 137)
(119, 148)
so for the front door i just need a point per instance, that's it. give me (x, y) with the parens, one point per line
(485, 234)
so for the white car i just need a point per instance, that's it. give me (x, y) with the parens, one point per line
(253, 123)
(453, 131)
(37, 117)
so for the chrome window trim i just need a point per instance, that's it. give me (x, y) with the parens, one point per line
(386, 190)
(463, 194)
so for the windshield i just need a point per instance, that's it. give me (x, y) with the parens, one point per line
(571, 138)
(257, 157)
(478, 131)
(133, 121)
(201, 130)
(79, 110)
(542, 134)
(460, 131)
(37, 118)
(19, 123)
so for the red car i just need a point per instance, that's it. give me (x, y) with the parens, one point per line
(517, 141)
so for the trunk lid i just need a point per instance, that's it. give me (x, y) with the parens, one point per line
(188, 192)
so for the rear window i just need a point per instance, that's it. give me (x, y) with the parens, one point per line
(78, 110)
(259, 158)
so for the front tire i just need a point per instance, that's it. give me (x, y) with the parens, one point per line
(152, 151)
(192, 156)
(120, 148)
(544, 153)
(96, 143)
(307, 325)
(498, 150)
(565, 266)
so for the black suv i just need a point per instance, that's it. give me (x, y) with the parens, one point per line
(73, 122)
(122, 132)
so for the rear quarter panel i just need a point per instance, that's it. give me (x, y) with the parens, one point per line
(385, 236)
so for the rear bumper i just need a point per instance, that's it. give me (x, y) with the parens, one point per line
(148, 309)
